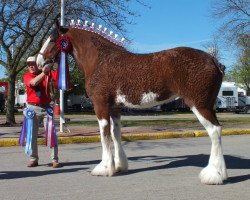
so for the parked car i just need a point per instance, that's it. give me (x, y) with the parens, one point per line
(244, 104)
(86, 104)
(79, 103)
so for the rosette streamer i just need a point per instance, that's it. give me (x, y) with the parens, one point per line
(51, 138)
(22, 136)
(63, 79)
(28, 127)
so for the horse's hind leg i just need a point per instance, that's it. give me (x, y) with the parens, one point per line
(121, 162)
(216, 171)
(106, 167)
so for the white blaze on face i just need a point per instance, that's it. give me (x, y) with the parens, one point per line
(40, 59)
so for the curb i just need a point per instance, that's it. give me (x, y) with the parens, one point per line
(7, 142)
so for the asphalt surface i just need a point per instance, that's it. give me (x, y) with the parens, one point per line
(158, 169)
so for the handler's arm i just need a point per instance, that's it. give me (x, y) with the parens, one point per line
(38, 79)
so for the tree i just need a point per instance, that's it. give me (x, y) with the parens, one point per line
(236, 17)
(213, 48)
(235, 31)
(241, 71)
(24, 25)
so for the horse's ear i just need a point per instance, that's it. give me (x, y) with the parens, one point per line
(59, 28)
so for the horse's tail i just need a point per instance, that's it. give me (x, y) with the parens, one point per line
(220, 66)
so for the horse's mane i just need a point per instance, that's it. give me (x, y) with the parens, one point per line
(103, 38)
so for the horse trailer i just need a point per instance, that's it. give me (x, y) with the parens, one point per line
(227, 99)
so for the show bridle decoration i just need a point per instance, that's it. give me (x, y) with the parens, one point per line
(64, 46)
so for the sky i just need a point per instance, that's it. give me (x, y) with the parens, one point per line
(171, 23)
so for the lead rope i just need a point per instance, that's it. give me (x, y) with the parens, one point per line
(46, 86)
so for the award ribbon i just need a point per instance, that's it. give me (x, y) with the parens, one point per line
(64, 46)
(51, 138)
(30, 114)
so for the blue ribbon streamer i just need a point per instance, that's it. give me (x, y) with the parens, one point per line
(62, 84)
(29, 124)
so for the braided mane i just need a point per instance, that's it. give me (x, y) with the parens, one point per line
(102, 39)
(99, 33)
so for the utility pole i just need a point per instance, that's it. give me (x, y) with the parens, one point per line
(62, 121)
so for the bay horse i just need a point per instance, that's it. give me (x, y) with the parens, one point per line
(115, 77)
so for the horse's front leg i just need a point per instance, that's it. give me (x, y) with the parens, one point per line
(121, 162)
(106, 167)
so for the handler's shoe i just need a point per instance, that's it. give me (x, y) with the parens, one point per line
(55, 164)
(33, 163)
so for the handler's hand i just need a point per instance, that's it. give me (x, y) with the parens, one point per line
(46, 69)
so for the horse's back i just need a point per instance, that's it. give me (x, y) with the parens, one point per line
(186, 72)
(181, 67)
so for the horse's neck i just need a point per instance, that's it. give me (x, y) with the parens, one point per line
(88, 53)
(105, 52)
(85, 55)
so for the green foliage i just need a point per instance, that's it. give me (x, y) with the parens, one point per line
(76, 78)
(4, 79)
(241, 71)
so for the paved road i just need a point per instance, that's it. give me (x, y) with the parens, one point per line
(159, 169)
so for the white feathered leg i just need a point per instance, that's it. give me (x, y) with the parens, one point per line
(106, 167)
(215, 172)
(121, 162)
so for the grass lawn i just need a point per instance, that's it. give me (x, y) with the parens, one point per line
(172, 123)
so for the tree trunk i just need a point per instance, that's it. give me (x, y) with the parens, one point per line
(10, 111)
(248, 92)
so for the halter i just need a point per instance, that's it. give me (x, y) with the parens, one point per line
(50, 61)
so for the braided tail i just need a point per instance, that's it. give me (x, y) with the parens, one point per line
(219, 66)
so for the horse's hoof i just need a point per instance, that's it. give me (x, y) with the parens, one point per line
(121, 166)
(102, 170)
(211, 176)
(121, 169)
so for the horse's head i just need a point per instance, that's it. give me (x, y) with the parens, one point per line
(49, 51)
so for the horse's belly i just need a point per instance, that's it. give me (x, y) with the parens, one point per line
(147, 100)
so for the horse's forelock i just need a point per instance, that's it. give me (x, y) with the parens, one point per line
(54, 34)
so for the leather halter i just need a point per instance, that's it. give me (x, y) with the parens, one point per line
(52, 59)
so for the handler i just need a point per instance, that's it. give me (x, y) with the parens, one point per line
(38, 97)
